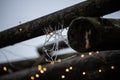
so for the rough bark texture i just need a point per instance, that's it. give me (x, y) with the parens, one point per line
(89, 64)
(25, 64)
(93, 8)
(94, 34)
(20, 65)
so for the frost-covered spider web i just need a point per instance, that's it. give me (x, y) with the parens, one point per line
(54, 37)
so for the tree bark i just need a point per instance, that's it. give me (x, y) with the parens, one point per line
(98, 66)
(31, 29)
(94, 34)
(25, 64)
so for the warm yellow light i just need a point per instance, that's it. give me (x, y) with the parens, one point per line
(41, 71)
(112, 67)
(97, 52)
(39, 67)
(44, 69)
(82, 55)
(52, 62)
(20, 29)
(32, 78)
(84, 73)
(59, 60)
(51, 33)
(90, 53)
(67, 70)
(37, 75)
(71, 68)
(5, 68)
(100, 70)
(63, 76)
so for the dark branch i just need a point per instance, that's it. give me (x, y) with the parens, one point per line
(89, 64)
(93, 8)
(94, 34)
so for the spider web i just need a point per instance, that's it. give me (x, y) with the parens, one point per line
(54, 37)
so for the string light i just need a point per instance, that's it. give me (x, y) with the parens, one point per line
(90, 53)
(100, 70)
(112, 67)
(41, 71)
(82, 55)
(67, 70)
(39, 67)
(44, 69)
(59, 60)
(51, 33)
(84, 73)
(71, 68)
(37, 75)
(52, 62)
(20, 29)
(5, 68)
(32, 78)
(97, 52)
(63, 76)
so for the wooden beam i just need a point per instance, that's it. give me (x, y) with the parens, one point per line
(94, 34)
(31, 29)
(25, 64)
(104, 65)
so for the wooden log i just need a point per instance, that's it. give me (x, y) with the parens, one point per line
(20, 65)
(35, 28)
(94, 34)
(15, 66)
(104, 65)
(25, 64)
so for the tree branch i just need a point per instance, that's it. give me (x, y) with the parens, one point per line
(31, 29)
(98, 66)
(94, 34)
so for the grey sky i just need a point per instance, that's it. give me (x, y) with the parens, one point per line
(13, 11)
